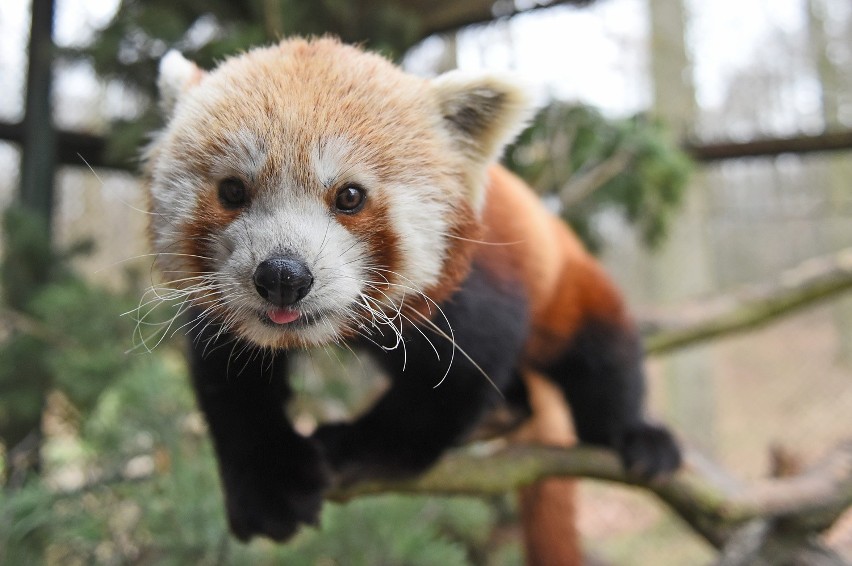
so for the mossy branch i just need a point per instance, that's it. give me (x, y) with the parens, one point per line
(725, 511)
(707, 498)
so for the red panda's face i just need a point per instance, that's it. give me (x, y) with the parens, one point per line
(310, 191)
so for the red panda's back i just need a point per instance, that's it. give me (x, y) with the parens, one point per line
(529, 246)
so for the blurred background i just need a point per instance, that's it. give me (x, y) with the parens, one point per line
(697, 147)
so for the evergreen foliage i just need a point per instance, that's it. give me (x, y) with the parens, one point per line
(628, 166)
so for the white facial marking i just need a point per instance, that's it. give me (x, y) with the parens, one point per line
(287, 222)
(419, 219)
(176, 187)
(244, 155)
(330, 159)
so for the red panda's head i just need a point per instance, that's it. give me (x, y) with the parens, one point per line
(308, 191)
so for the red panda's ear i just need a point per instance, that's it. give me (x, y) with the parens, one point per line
(483, 113)
(176, 76)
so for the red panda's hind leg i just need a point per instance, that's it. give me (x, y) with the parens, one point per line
(600, 372)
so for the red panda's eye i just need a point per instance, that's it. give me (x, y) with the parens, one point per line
(232, 192)
(350, 198)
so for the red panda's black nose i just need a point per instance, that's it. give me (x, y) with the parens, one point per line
(282, 280)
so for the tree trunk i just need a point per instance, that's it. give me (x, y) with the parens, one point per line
(839, 169)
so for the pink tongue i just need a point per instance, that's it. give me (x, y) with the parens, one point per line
(282, 316)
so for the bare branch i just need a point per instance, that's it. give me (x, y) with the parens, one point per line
(452, 16)
(839, 140)
(815, 280)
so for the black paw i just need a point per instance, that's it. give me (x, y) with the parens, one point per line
(344, 453)
(649, 452)
(356, 456)
(271, 492)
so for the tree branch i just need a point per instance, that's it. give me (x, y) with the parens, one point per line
(831, 140)
(815, 280)
(452, 16)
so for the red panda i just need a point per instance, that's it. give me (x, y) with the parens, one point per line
(312, 193)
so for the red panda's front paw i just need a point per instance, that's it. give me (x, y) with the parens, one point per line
(359, 453)
(649, 452)
(343, 453)
(273, 515)
(269, 496)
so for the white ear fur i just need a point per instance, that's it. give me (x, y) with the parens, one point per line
(176, 75)
(483, 112)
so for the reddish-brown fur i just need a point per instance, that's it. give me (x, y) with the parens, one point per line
(531, 247)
